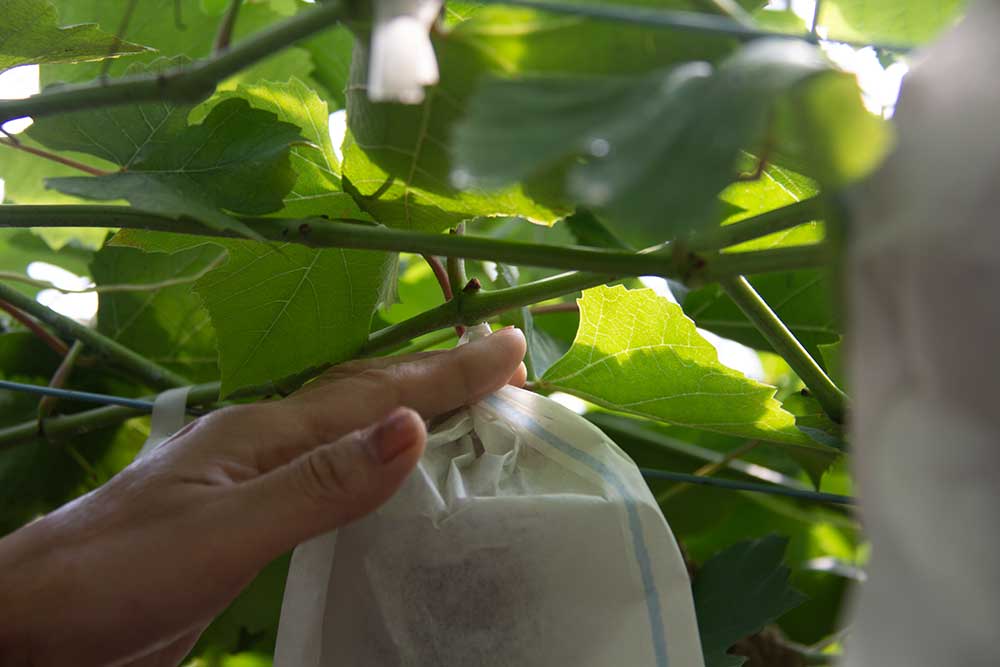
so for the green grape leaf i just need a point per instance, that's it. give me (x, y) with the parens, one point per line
(318, 188)
(30, 34)
(632, 148)
(279, 310)
(24, 175)
(399, 157)
(834, 362)
(166, 322)
(901, 22)
(235, 160)
(739, 591)
(280, 313)
(774, 188)
(118, 135)
(637, 352)
(331, 61)
(588, 230)
(814, 422)
(171, 27)
(396, 156)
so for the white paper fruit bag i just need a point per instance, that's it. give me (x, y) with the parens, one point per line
(524, 538)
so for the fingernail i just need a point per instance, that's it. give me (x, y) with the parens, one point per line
(393, 436)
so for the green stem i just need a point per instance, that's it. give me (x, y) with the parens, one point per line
(728, 265)
(764, 224)
(456, 265)
(425, 342)
(830, 397)
(477, 307)
(322, 233)
(155, 375)
(191, 83)
(466, 309)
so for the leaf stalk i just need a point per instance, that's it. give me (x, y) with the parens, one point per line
(784, 342)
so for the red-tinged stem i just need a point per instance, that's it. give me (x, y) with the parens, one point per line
(32, 325)
(93, 171)
(441, 274)
(58, 381)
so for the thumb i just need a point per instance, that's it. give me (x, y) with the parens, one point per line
(336, 483)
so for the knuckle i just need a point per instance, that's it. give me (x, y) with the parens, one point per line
(333, 475)
(381, 384)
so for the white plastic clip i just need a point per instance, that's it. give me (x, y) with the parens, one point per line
(169, 411)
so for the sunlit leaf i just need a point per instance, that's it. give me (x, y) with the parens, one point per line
(637, 352)
(900, 22)
(773, 188)
(318, 189)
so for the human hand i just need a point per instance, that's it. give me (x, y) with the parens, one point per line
(133, 572)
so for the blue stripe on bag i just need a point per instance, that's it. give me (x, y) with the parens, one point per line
(513, 413)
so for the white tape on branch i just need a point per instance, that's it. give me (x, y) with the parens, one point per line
(169, 410)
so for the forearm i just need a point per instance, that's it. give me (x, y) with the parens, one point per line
(30, 581)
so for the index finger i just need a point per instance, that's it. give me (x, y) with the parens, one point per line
(431, 385)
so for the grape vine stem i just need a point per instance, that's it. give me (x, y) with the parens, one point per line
(322, 233)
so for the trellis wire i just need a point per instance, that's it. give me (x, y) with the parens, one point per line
(83, 396)
(650, 473)
(734, 485)
(680, 20)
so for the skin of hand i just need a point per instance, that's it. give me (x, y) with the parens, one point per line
(132, 573)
